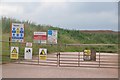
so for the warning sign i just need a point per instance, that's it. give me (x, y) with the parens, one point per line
(14, 53)
(43, 53)
(28, 53)
(87, 55)
(28, 44)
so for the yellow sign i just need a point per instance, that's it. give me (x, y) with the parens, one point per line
(87, 52)
(14, 53)
(43, 54)
(43, 57)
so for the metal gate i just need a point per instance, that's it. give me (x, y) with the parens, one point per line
(65, 59)
(75, 59)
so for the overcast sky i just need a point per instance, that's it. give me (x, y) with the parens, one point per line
(68, 15)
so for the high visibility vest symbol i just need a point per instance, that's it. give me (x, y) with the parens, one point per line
(14, 50)
(17, 31)
(42, 52)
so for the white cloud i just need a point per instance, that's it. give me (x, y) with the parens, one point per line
(59, 0)
(10, 10)
(65, 15)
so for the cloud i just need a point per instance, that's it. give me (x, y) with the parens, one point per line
(74, 15)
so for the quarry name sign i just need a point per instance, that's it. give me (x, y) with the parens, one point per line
(40, 37)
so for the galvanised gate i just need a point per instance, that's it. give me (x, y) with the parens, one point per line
(59, 58)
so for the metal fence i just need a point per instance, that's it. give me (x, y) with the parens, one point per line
(57, 57)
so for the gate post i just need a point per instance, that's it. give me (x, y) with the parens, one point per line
(58, 59)
(38, 59)
(78, 59)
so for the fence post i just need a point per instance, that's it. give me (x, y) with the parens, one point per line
(78, 59)
(38, 58)
(99, 57)
(58, 59)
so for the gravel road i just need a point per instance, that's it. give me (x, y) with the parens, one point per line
(12, 70)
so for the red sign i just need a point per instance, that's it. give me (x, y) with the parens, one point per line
(40, 37)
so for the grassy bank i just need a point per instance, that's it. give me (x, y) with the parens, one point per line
(64, 37)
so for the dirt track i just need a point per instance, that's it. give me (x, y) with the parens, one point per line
(36, 71)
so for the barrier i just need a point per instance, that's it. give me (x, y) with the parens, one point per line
(63, 59)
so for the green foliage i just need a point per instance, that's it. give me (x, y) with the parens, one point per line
(64, 37)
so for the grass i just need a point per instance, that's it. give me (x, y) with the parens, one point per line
(64, 37)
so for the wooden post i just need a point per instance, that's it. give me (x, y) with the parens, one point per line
(99, 57)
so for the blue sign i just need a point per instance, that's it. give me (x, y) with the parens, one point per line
(49, 32)
(17, 32)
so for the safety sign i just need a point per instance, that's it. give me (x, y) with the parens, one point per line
(40, 37)
(17, 32)
(42, 53)
(14, 53)
(52, 36)
(28, 44)
(28, 53)
(87, 55)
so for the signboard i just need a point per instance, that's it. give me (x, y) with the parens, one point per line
(14, 53)
(52, 36)
(28, 44)
(28, 53)
(40, 37)
(43, 53)
(17, 32)
(87, 55)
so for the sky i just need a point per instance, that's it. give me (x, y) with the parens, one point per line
(67, 14)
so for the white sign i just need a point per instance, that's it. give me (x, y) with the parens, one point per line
(43, 53)
(40, 37)
(28, 53)
(14, 53)
(28, 44)
(17, 32)
(52, 36)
